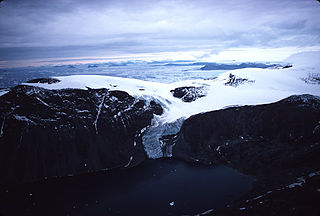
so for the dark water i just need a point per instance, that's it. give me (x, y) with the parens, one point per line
(144, 190)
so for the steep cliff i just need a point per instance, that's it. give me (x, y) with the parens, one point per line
(47, 133)
(278, 144)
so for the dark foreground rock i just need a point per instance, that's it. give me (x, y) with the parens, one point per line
(47, 133)
(278, 144)
(189, 93)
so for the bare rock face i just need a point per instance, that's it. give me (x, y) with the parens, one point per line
(278, 144)
(253, 138)
(48, 133)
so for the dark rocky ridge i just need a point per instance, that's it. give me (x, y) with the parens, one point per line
(49, 80)
(47, 133)
(278, 143)
(287, 66)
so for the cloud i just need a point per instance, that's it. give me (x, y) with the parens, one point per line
(66, 28)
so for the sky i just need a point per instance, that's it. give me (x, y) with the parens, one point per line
(34, 32)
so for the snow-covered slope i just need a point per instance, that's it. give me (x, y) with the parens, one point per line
(305, 59)
(264, 86)
(243, 87)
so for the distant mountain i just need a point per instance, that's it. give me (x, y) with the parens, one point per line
(221, 66)
(186, 64)
(93, 65)
(65, 66)
(218, 66)
(114, 64)
(165, 62)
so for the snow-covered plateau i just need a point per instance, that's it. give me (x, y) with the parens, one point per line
(249, 86)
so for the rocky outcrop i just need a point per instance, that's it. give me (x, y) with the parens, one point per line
(189, 93)
(236, 81)
(313, 79)
(287, 66)
(47, 133)
(278, 144)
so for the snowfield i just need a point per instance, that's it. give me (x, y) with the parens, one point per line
(256, 86)
(263, 86)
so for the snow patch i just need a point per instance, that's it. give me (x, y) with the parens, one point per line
(2, 126)
(205, 213)
(3, 92)
(302, 180)
(99, 111)
(24, 118)
(259, 197)
(314, 174)
(41, 101)
(295, 184)
(128, 164)
(82, 111)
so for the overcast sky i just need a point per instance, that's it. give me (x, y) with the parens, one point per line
(38, 29)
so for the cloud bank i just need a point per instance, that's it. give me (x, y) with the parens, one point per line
(74, 28)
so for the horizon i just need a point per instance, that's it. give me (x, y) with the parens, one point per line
(226, 57)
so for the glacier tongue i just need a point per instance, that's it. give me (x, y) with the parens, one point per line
(151, 138)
